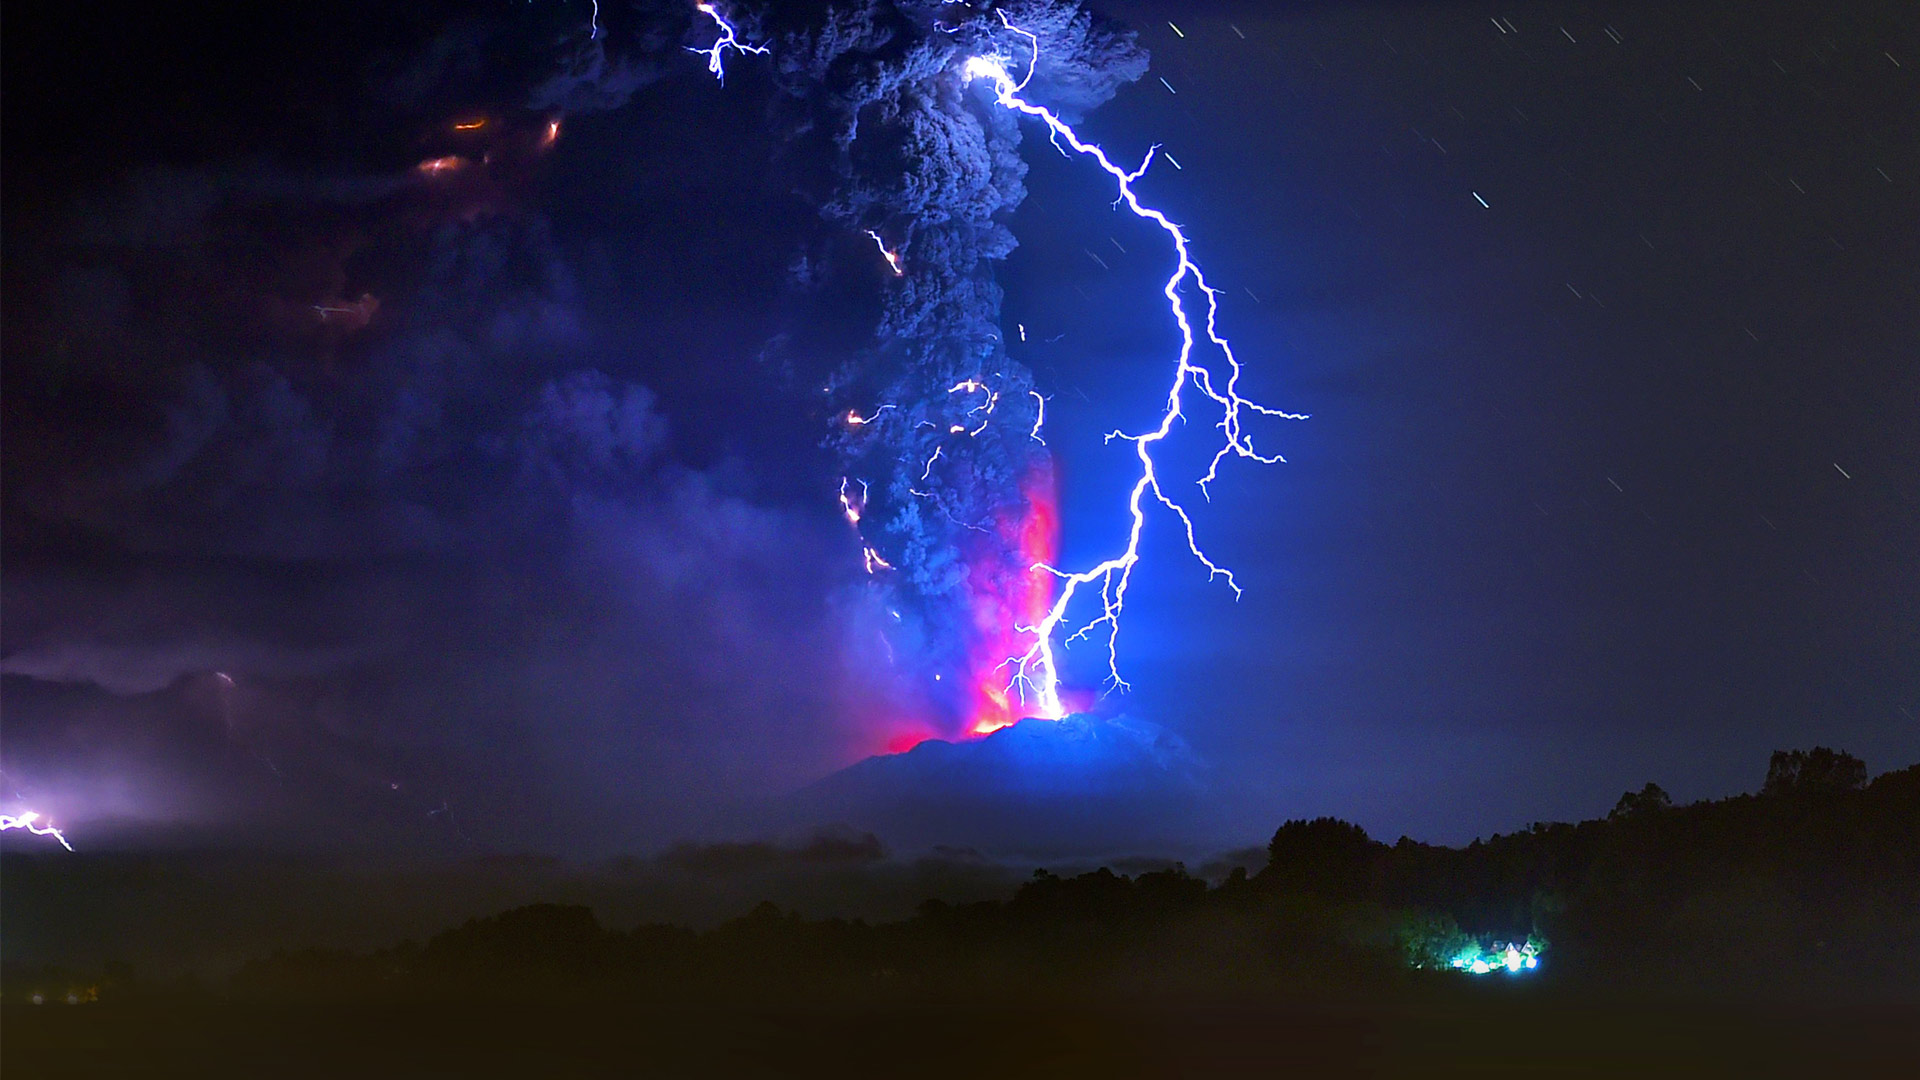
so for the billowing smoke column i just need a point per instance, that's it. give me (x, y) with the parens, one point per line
(949, 481)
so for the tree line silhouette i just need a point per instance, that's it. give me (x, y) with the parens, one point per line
(1810, 886)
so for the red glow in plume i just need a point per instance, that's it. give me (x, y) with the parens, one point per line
(1004, 605)
(1001, 604)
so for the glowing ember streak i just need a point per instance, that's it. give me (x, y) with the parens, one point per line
(436, 166)
(353, 316)
(1039, 417)
(856, 420)
(25, 820)
(892, 256)
(1035, 671)
(470, 125)
(552, 135)
(716, 53)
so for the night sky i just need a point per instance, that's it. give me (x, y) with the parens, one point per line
(351, 503)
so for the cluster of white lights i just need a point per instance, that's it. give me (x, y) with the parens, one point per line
(1509, 958)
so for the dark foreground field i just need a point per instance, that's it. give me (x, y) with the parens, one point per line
(1512, 1030)
(1768, 934)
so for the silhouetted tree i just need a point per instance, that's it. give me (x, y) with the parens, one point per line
(1325, 856)
(536, 942)
(1650, 799)
(1799, 772)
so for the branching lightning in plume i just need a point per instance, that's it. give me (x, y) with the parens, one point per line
(1035, 673)
(975, 386)
(729, 39)
(850, 507)
(854, 419)
(892, 256)
(984, 410)
(25, 820)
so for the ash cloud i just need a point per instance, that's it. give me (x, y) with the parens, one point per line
(432, 467)
(920, 159)
(375, 443)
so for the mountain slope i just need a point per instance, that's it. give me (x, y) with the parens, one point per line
(1080, 786)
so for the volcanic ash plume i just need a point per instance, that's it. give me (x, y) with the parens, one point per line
(938, 429)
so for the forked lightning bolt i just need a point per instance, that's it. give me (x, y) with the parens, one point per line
(25, 820)
(1035, 673)
(889, 254)
(716, 53)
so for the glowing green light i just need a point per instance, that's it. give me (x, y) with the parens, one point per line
(1502, 956)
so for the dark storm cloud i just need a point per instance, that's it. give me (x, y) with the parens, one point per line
(154, 663)
(582, 425)
(546, 57)
(354, 436)
(347, 422)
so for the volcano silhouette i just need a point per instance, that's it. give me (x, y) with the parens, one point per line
(1081, 786)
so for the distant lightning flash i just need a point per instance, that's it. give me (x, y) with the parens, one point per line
(26, 820)
(729, 39)
(1035, 672)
